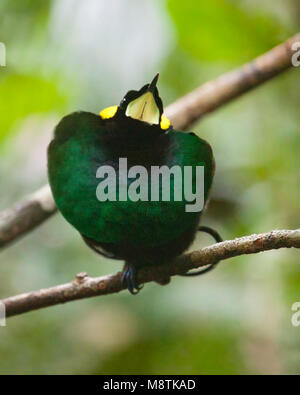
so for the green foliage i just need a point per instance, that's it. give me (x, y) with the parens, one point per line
(198, 350)
(23, 95)
(222, 30)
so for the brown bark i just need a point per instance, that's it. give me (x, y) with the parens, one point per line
(84, 286)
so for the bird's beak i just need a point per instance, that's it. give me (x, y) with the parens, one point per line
(153, 83)
(144, 108)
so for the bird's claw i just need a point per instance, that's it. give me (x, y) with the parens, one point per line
(129, 280)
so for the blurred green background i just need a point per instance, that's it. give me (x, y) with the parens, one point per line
(67, 55)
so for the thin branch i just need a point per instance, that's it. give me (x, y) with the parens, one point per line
(84, 286)
(25, 216)
(210, 96)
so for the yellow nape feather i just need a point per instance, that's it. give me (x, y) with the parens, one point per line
(164, 122)
(108, 112)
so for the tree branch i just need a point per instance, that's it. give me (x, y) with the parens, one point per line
(85, 287)
(210, 96)
(27, 215)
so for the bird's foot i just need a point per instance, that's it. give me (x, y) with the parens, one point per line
(129, 279)
(218, 239)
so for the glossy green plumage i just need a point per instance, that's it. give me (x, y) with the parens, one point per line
(83, 142)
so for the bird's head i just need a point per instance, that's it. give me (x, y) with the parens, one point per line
(144, 105)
